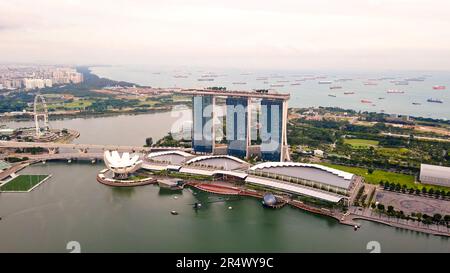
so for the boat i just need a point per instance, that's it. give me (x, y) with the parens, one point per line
(419, 79)
(205, 80)
(395, 91)
(416, 103)
(439, 87)
(239, 83)
(180, 76)
(370, 83)
(381, 98)
(174, 212)
(349, 93)
(435, 100)
(366, 101)
(296, 83)
(276, 85)
(171, 184)
(325, 82)
(332, 95)
(401, 83)
(335, 87)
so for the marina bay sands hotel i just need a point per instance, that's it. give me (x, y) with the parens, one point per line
(267, 127)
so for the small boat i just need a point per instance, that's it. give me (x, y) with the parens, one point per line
(401, 83)
(276, 85)
(366, 101)
(239, 83)
(370, 83)
(205, 80)
(416, 103)
(335, 87)
(349, 93)
(332, 95)
(174, 212)
(296, 83)
(381, 98)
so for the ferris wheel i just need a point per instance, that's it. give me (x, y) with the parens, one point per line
(40, 112)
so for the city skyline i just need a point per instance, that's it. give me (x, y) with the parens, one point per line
(373, 34)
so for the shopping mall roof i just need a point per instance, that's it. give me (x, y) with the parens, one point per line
(284, 186)
(311, 172)
(225, 162)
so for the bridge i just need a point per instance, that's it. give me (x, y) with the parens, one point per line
(85, 148)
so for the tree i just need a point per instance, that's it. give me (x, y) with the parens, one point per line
(380, 207)
(424, 190)
(437, 217)
(390, 209)
(370, 171)
(447, 218)
(149, 141)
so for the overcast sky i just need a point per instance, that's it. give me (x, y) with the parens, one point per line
(290, 34)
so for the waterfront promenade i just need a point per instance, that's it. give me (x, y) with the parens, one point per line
(369, 215)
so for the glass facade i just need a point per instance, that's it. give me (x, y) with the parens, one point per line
(202, 136)
(271, 120)
(236, 126)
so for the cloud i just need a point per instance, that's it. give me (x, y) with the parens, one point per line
(285, 33)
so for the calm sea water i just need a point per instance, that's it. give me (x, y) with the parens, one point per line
(72, 206)
(309, 93)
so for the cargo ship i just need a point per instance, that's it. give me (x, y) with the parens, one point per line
(416, 103)
(205, 80)
(439, 87)
(401, 83)
(332, 95)
(325, 82)
(276, 85)
(435, 100)
(366, 101)
(370, 83)
(335, 87)
(395, 91)
(239, 83)
(349, 93)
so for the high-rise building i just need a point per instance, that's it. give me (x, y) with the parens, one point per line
(237, 125)
(271, 120)
(203, 136)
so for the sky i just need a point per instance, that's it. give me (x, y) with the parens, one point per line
(279, 34)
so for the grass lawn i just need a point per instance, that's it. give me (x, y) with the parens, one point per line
(23, 183)
(361, 143)
(378, 175)
(393, 151)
